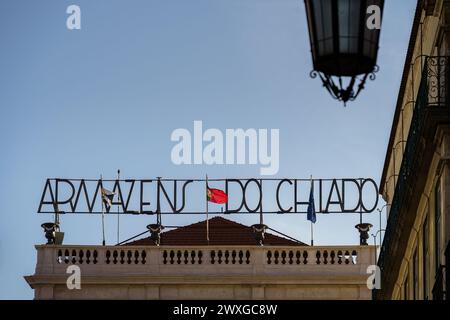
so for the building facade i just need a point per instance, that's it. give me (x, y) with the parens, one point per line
(187, 266)
(416, 176)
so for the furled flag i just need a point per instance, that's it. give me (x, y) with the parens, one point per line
(311, 216)
(217, 196)
(107, 198)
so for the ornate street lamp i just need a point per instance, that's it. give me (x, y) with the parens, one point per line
(344, 36)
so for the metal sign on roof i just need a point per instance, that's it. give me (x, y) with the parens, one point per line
(187, 196)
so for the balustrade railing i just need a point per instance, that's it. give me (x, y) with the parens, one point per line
(101, 259)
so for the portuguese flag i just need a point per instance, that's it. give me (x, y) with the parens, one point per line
(217, 196)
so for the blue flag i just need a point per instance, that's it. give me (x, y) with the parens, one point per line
(311, 216)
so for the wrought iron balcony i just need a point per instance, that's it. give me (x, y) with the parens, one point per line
(431, 108)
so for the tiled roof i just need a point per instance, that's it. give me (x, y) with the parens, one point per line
(221, 232)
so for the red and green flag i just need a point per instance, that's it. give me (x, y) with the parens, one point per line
(216, 196)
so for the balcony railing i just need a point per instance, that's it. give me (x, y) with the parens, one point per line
(433, 94)
(215, 260)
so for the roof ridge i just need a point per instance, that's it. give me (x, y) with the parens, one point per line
(219, 229)
(181, 228)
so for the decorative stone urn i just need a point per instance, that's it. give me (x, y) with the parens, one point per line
(50, 229)
(155, 232)
(363, 229)
(259, 231)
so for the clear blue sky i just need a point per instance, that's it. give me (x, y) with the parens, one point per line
(87, 102)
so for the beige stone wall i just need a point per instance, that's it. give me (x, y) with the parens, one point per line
(289, 273)
(439, 172)
(206, 292)
(432, 40)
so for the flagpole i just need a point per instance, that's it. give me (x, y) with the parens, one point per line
(207, 213)
(103, 211)
(118, 215)
(312, 225)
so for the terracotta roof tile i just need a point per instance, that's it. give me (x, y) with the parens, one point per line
(221, 232)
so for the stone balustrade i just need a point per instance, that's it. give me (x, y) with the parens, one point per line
(53, 259)
(203, 272)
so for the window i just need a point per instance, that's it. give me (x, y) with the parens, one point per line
(425, 257)
(437, 225)
(406, 287)
(415, 276)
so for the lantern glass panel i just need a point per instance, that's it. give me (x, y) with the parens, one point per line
(323, 26)
(348, 18)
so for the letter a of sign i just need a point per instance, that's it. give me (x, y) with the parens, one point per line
(74, 20)
(374, 280)
(74, 280)
(374, 20)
